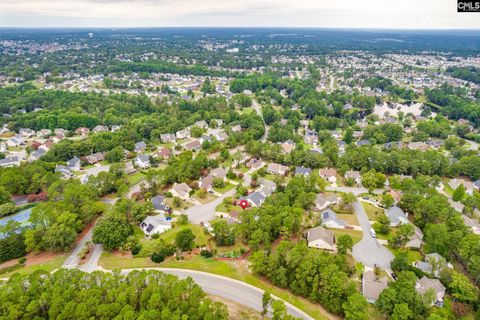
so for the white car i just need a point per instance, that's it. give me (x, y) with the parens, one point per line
(373, 233)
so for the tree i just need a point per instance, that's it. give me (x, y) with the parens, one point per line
(7, 209)
(356, 307)
(401, 312)
(112, 231)
(4, 196)
(224, 233)
(185, 240)
(404, 233)
(382, 225)
(208, 86)
(462, 289)
(348, 198)
(400, 262)
(387, 200)
(115, 155)
(266, 299)
(344, 244)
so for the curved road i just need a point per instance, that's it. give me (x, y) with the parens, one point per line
(368, 251)
(227, 288)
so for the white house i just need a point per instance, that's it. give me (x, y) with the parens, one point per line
(142, 161)
(155, 225)
(329, 174)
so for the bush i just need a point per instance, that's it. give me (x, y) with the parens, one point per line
(206, 253)
(158, 257)
(136, 249)
(7, 209)
(22, 260)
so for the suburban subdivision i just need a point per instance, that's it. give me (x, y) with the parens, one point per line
(239, 174)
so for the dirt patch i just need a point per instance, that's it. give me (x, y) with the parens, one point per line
(33, 258)
(237, 310)
(119, 254)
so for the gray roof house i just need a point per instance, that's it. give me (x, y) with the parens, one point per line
(140, 146)
(323, 201)
(329, 219)
(255, 199)
(373, 287)
(303, 171)
(416, 241)
(321, 238)
(396, 216)
(74, 163)
(425, 284)
(159, 204)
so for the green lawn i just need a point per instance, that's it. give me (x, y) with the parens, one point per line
(228, 186)
(135, 178)
(355, 234)
(207, 197)
(351, 219)
(47, 266)
(201, 237)
(372, 211)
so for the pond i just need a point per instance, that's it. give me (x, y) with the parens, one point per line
(21, 217)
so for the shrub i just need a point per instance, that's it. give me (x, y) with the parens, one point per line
(136, 249)
(157, 257)
(22, 260)
(12, 247)
(7, 209)
(206, 253)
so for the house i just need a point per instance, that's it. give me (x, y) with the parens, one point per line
(35, 155)
(140, 147)
(303, 171)
(15, 141)
(26, 132)
(422, 146)
(425, 284)
(219, 173)
(47, 145)
(354, 176)
(236, 128)
(459, 207)
(142, 161)
(193, 145)
(155, 225)
(329, 219)
(95, 157)
(275, 168)
(335, 134)
(163, 153)
(329, 174)
(159, 204)
(168, 137)
(254, 164)
(100, 128)
(115, 127)
(43, 133)
(476, 185)
(472, 224)
(64, 170)
(468, 185)
(82, 131)
(416, 241)
(74, 164)
(206, 183)
(60, 132)
(183, 134)
(311, 137)
(362, 143)
(287, 146)
(181, 190)
(323, 201)
(255, 199)
(10, 162)
(357, 134)
(201, 124)
(129, 168)
(372, 286)
(396, 216)
(267, 187)
(57, 138)
(433, 263)
(321, 238)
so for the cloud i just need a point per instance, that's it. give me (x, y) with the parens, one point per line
(202, 13)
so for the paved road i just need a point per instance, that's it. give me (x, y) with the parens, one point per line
(228, 288)
(73, 260)
(368, 251)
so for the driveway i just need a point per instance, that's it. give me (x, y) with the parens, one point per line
(228, 288)
(206, 212)
(368, 251)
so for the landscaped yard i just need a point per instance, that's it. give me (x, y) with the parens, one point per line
(355, 234)
(48, 266)
(351, 219)
(203, 197)
(373, 212)
(135, 178)
(228, 186)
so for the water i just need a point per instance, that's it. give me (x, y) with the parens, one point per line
(21, 217)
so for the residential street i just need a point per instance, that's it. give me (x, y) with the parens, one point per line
(206, 212)
(355, 190)
(228, 288)
(368, 251)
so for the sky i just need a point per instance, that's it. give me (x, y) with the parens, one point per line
(393, 14)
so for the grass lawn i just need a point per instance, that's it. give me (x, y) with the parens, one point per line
(47, 266)
(243, 168)
(207, 197)
(351, 219)
(411, 254)
(355, 234)
(135, 178)
(228, 186)
(200, 236)
(372, 211)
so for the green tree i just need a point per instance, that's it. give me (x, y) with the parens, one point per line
(462, 289)
(4, 196)
(356, 307)
(459, 193)
(387, 200)
(401, 312)
(115, 155)
(112, 231)
(266, 300)
(224, 233)
(382, 225)
(344, 244)
(185, 240)
(403, 235)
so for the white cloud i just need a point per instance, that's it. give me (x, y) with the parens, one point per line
(439, 14)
